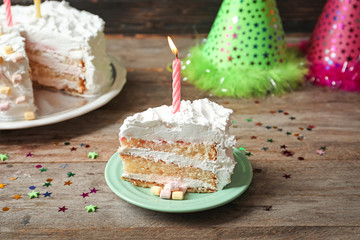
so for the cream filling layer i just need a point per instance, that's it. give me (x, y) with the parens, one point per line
(186, 182)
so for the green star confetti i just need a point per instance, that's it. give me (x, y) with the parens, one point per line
(249, 120)
(3, 157)
(288, 133)
(34, 194)
(43, 170)
(71, 174)
(248, 154)
(270, 140)
(91, 208)
(93, 155)
(47, 184)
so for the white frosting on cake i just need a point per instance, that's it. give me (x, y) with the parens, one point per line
(198, 121)
(14, 74)
(68, 33)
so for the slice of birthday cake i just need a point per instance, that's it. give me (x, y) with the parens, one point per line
(16, 95)
(66, 47)
(191, 147)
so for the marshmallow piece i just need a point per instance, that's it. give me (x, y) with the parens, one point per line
(4, 106)
(8, 50)
(1, 60)
(5, 90)
(18, 57)
(29, 115)
(177, 195)
(16, 78)
(155, 190)
(165, 194)
(20, 100)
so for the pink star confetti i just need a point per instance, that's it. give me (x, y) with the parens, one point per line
(84, 195)
(29, 154)
(93, 190)
(320, 152)
(288, 153)
(62, 209)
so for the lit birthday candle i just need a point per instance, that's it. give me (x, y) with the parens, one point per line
(176, 76)
(37, 4)
(7, 4)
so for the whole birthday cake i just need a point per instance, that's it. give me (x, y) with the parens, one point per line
(191, 147)
(65, 50)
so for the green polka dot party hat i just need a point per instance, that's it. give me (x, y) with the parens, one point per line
(245, 54)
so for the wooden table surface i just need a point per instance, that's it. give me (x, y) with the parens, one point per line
(320, 199)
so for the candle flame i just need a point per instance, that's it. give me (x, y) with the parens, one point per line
(173, 47)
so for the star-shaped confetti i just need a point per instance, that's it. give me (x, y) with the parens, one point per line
(93, 155)
(91, 208)
(71, 174)
(62, 209)
(47, 194)
(249, 120)
(26, 220)
(267, 208)
(34, 194)
(47, 184)
(265, 148)
(288, 153)
(286, 176)
(288, 133)
(320, 152)
(282, 146)
(64, 165)
(17, 196)
(270, 140)
(93, 190)
(84, 195)
(2, 185)
(43, 169)
(73, 149)
(248, 154)
(253, 137)
(68, 183)
(29, 154)
(3, 157)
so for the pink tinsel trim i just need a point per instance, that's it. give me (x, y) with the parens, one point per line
(336, 76)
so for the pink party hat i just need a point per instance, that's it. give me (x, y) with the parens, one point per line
(334, 48)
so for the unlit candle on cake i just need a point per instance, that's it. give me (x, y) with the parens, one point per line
(176, 75)
(7, 4)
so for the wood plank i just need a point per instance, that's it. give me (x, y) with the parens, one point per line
(179, 17)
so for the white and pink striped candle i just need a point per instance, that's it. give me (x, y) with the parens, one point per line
(7, 4)
(176, 76)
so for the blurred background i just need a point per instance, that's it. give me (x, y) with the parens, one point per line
(129, 17)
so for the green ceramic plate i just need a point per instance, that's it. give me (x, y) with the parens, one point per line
(193, 202)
